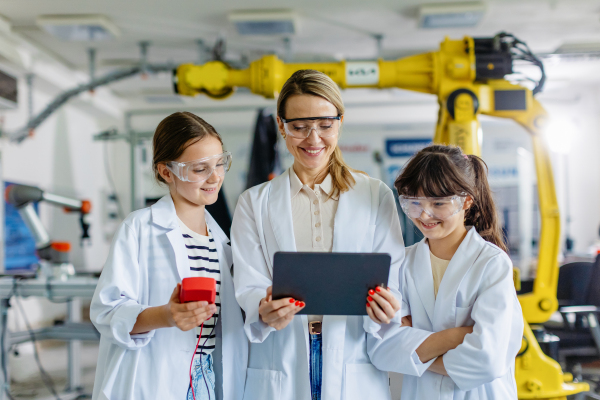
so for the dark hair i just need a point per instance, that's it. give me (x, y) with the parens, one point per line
(316, 83)
(176, 133)
(441, 171)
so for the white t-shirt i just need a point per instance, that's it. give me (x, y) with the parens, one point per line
(202, 255)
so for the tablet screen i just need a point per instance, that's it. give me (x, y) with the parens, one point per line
(329, 283)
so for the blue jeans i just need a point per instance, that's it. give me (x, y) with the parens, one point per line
(204, 389)
(316, 366)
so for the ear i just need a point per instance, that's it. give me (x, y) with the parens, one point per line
(468, 203)
(166, 174)
(281, 127)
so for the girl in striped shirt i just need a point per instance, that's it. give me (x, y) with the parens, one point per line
(148, 335)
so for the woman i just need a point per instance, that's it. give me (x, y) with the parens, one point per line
(147, 336)
(319, 204)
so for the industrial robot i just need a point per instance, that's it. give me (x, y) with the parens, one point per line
(56, 254)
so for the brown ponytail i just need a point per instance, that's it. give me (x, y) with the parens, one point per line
(482, 214)
(441, 171)
(315, 83)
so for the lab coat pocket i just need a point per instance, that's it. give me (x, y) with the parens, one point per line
(463, 316)
(364, 381)
(263, 384)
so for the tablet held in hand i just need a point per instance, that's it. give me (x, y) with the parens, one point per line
(329, 283)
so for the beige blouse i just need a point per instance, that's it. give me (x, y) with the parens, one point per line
(313, 215)
(438, 269)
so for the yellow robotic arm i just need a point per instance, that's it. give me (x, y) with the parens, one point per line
(467, 76)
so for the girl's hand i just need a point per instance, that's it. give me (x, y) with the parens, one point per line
(186, 316)
(382, 305)
(278, 313)
(406, 321)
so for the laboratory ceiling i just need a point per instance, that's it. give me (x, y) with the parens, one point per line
(326, 29)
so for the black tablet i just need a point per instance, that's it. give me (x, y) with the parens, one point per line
(329, 283)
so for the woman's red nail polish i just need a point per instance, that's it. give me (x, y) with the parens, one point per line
(302, 304)
(369, 298)
(378, 289)
(292, 300)
(368, 305)
(298, 303)
(371, 292)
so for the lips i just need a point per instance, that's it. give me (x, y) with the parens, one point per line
(313, 152)
(209, 190)
(430, 225)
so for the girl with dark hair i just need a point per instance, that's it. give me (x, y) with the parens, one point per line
(461, 320)
(148, 336)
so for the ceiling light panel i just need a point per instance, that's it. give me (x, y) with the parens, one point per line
(452, 15)
(268, 23)
(79, 28)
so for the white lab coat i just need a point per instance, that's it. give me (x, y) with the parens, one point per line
(146, 261)
(366, 221)
(476, 290)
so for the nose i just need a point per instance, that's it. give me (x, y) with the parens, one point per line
(213, 175)
(313, 137)
(424, 214)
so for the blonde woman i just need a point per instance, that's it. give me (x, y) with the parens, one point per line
(319, 204)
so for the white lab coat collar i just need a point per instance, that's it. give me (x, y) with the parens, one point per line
(347, 237)
(164, 215)
(441, 310)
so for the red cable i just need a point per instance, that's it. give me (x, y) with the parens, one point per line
(192, 363)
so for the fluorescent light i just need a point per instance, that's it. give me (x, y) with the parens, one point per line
(79, 27)
(457, 15)
(275, 22)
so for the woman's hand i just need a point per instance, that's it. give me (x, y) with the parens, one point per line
(382, 305)
(278, 313)
(187, 316)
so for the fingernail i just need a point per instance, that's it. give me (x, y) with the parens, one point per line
(378, 289)
(292, 300)
(302, 304)
(298, 303)
(371, 292)
(368, 305)
(369, 298)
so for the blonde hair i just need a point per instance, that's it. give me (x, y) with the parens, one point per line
(315, 83)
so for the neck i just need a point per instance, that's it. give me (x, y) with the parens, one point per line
(192, 215)
(446, 247)
(310, 177)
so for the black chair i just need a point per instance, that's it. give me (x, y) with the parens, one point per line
(579, 305)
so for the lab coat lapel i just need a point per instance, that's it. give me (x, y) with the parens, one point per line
(233, 346)
(351, 223)
(163, 214)
(352, 219)
(460, 264)
(334, 334)
(280, 212)
(423, 278)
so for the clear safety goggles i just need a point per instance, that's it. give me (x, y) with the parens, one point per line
(440, 208)
(301, 128)
(200, 170)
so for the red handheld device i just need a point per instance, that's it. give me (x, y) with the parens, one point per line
(198, 289)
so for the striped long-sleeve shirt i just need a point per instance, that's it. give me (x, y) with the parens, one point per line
(204, 262)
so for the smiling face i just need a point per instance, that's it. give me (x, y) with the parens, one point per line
(311, 154)
(436, 229)
(195, 193)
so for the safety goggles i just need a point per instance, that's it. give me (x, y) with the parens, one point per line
(440, 208)
(200, 170)
(301, 128)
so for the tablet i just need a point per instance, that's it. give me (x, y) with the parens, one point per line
(329, 283)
